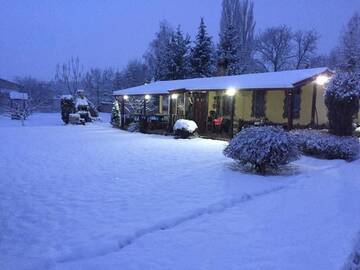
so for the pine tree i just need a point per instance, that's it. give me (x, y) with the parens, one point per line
(350, 46)
(115, 114)
(156, 51)
(228, 51)
(239, 14)
(202, 55)
(175, 63)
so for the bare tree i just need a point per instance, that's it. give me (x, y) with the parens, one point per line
(70, 75)
(93, 84)
(246, 25)
(40, 93)
(305, 45)
(274, 48)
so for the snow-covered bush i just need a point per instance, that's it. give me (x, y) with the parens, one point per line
(184, 128)
(115, 114)
(324, 145)
(342, 101)
(263, 147)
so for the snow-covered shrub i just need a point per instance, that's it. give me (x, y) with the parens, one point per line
(115, 114)
(328, 146)
(263, 147)
(184, 128)
(342, 100)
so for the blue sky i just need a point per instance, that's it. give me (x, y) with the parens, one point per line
(36, 35)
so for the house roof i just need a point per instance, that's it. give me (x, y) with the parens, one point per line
(18, 95)
(4, 84)
(270, 80)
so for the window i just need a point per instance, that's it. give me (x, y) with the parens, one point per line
(296, 104)
(258, 103)
(226, 105)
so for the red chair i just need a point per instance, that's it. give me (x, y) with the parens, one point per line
(217, 122)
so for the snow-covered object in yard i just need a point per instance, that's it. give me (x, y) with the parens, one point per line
(263, 147)
(268, 80)
(67, 97)
(81, 102)
(187, 125)
(18, 95)
(324, 145)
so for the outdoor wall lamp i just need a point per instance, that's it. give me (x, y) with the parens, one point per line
(174, 96)
(126, 97)
(147, 97)
(231, 92)
(322, 80)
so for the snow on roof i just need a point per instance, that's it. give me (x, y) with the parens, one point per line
(269, 80)
(18, 95)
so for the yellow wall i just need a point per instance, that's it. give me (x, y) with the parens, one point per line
(243, 105)
(275, 106)
(320, 106)
(305, 105)
(211, 95)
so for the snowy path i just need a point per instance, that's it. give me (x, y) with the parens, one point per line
(74, 197)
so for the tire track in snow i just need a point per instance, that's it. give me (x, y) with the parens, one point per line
(84, 253)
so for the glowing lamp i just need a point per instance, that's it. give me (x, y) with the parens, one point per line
(147, 97)
(231, 92)
(322, 80)
(174, 96)
(126, 97)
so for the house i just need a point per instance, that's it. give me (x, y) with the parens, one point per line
(6, 88)
(293, 98)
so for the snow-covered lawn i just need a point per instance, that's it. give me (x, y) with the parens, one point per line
(93, 197)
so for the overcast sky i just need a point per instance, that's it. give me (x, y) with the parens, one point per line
(35, 35)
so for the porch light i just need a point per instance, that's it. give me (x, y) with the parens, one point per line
(231, 92)
(147, 97)
(322, 80)
(174, 96)
(126, 97)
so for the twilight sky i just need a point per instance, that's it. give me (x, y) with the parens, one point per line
(35, 35)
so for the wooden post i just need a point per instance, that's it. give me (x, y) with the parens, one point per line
(290, 109)
(170, 114)
(313, 105)
(122, 112)
(232, 116)
(145, 120)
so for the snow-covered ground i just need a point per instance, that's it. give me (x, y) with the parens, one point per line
(93, 197)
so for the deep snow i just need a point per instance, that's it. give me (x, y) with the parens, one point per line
(93, 197)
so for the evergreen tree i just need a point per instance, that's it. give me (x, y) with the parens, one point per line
(156, 51)
(342, 101)
(202, 55)
(228, 51)
(175, 63)
(350, 46)
(115, 114)
(239, 14)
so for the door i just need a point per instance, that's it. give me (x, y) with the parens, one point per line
(200, 108)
